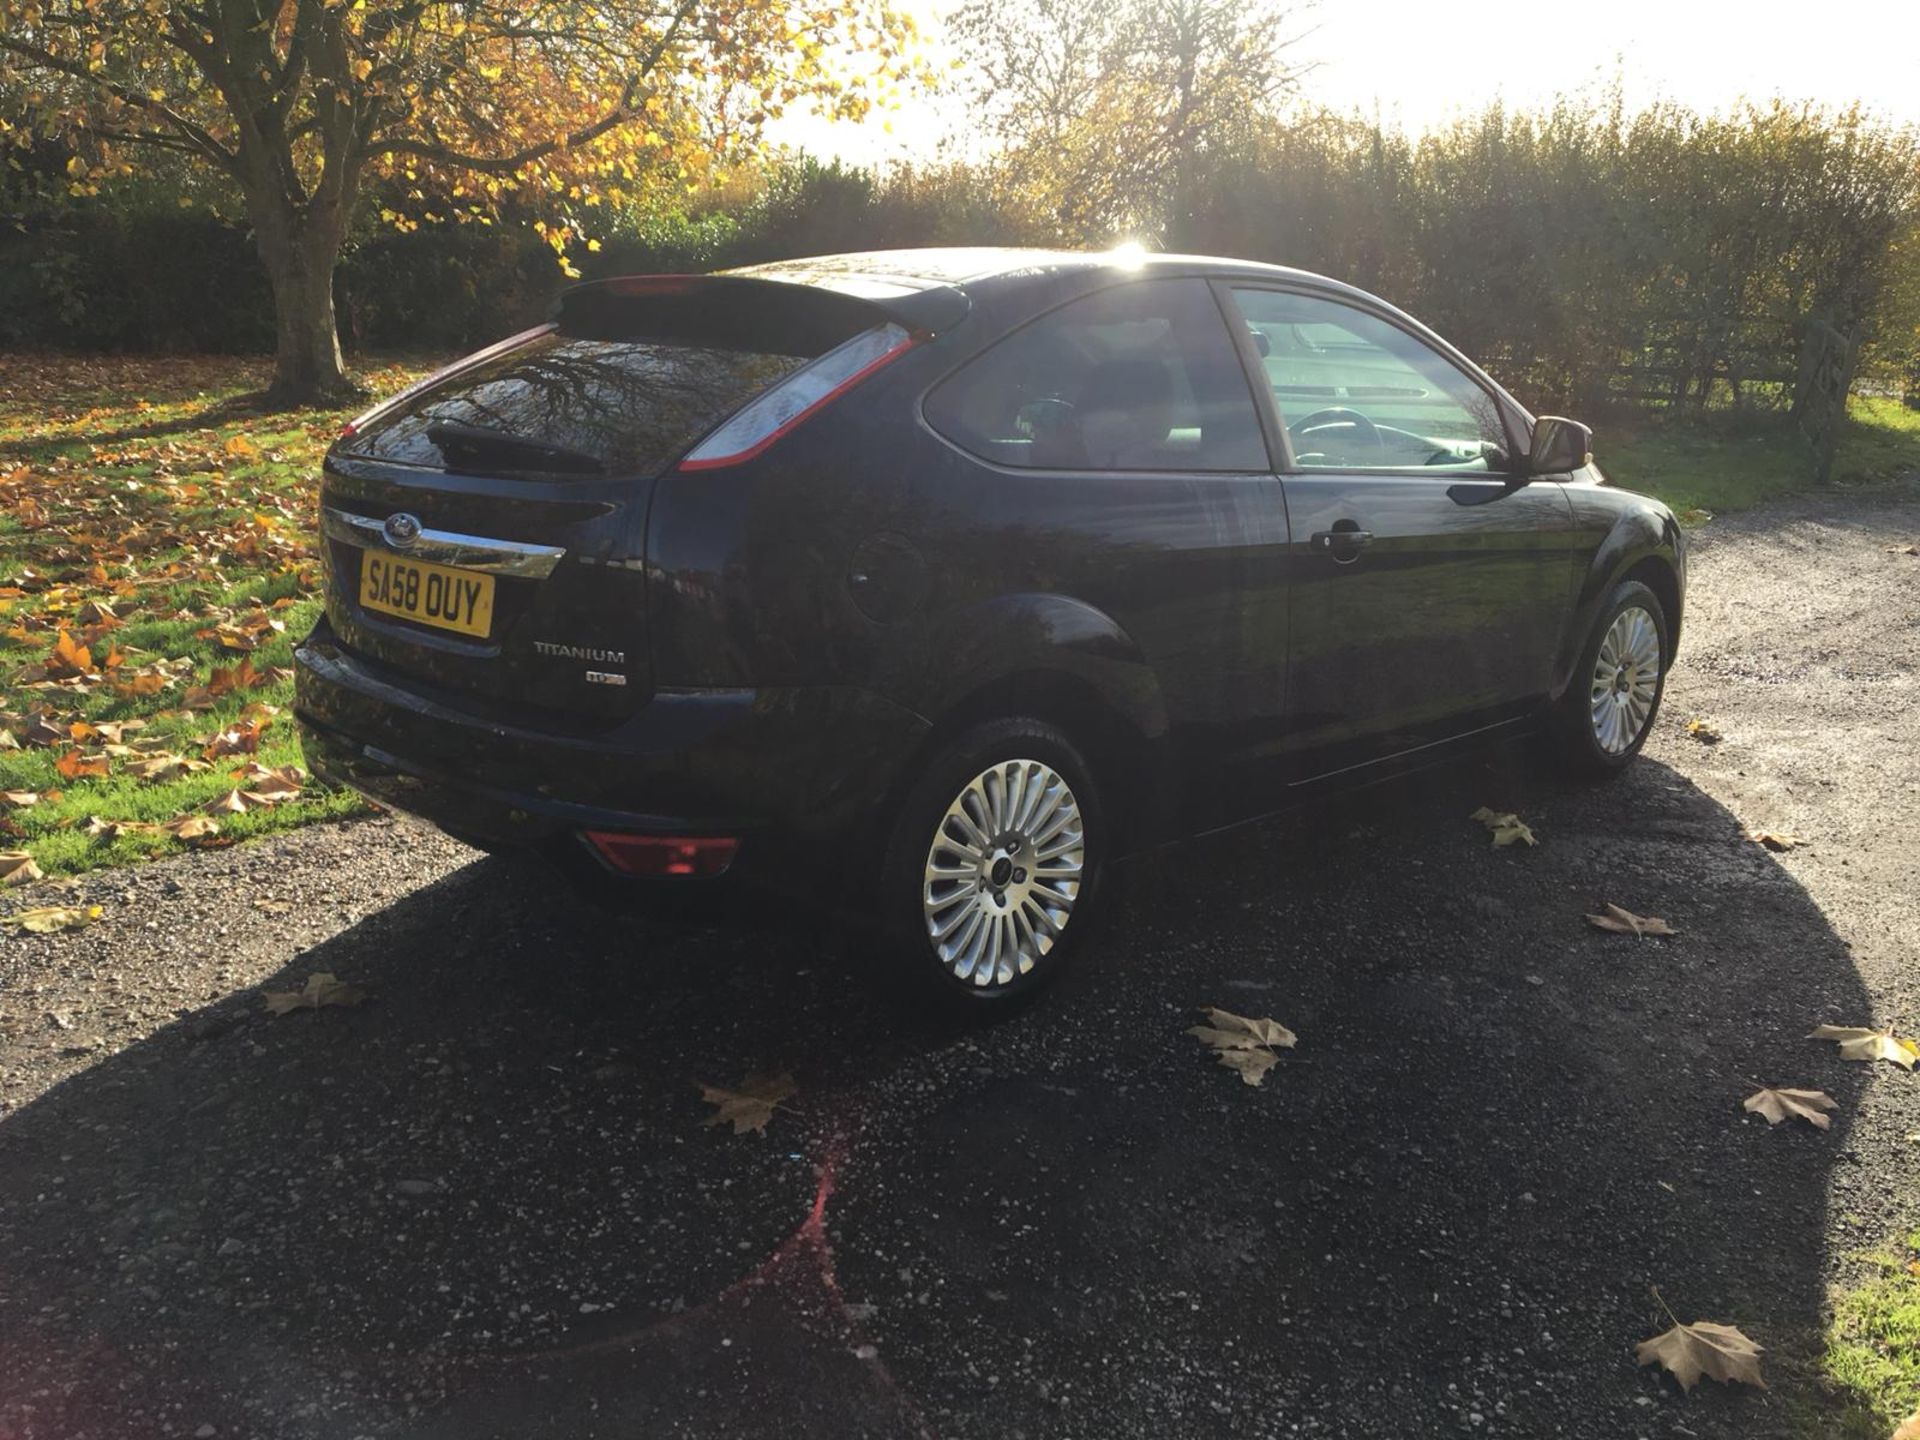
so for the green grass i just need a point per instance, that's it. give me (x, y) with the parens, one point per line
(1730, 460)
(154, 488)
(1869, 1370)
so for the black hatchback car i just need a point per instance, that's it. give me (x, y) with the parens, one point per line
(931, 582)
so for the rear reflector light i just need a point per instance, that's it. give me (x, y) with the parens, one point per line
(808, 389)
(700, 856)
(479, 357)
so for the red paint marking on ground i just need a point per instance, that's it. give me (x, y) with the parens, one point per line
(788, 1262)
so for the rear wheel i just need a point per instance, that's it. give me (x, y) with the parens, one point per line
(1608, 711)
(992, 877)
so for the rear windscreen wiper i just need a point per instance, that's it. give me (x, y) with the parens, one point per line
(461, 443)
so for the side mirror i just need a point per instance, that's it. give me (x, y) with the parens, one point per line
(1559, 446)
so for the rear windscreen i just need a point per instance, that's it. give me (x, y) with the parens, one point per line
(564, 404)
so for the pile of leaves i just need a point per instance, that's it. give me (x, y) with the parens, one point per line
(157, 562)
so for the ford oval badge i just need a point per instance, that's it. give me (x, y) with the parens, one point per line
(401, 530)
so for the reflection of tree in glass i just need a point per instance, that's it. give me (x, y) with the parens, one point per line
(633, 405)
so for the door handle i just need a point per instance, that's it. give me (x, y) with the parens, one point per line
(1343, 544)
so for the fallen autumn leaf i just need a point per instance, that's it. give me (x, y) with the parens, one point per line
(1857, 1043)
(52, 919)
(1703, 1348)
(1247, 1047)
(320, 990)
(1505, 825)
(1624, 922)
(751, 1104)
(17, 868)
(1778, 1105)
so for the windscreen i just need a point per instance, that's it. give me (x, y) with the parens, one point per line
(569, 404)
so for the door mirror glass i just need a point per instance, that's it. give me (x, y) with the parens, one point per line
(1559, 446)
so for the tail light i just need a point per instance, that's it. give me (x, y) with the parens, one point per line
(671, 856)
(814, 385)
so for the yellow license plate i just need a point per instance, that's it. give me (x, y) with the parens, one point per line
(429, 594)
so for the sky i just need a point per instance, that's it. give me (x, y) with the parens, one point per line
(1421, 63)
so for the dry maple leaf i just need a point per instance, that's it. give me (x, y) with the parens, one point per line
(1246, 1047)
(1624, 922)
(139, 685)
(1705, 731)
(238, 740)
(1507, 827)
(68, 658)
(239, 802)
(1909, 1427)
(1703, 1348)
(1226, 1031)
(43, 731)
(278, 783)
(1775, 839)
(110, 830)
(19, 799)
(321, 989)
(17, 868)
(197, 830)
(751, 1104)
(1861, 1044)
(52, 919)
(1904, 550)
(164, 767)
(1778, 1105)
(76, 766)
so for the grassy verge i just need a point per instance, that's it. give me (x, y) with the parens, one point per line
(157, 562)
(1727, 461)
(1870, 1368)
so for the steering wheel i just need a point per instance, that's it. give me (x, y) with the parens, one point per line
(1338, 415)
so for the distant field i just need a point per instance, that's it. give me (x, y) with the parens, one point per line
(157, 562)
(1730, 460)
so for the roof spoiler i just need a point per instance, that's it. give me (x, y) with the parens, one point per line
(744, 312)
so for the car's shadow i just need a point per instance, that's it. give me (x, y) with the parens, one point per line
(484, 1202)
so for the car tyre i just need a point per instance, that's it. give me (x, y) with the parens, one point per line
(993, 875)
(1603, 720)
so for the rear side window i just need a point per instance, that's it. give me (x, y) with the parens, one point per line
(566, 404)
(1138, 377)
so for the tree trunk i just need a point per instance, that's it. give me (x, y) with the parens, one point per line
(300, 248)
(308, 367)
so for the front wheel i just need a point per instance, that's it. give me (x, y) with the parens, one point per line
(992, 877)
(1607, 713)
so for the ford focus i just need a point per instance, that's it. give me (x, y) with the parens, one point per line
(928, 584)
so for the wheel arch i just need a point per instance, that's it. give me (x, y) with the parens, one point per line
(1054, 659)
(1644, 545)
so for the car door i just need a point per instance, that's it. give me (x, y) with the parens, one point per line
(1427, 585)
(1107, 460)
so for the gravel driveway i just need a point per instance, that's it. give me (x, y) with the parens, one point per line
(484, 1202)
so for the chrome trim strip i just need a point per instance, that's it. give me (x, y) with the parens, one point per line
(515, 558)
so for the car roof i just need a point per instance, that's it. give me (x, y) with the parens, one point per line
(886, 274)
(935, 286)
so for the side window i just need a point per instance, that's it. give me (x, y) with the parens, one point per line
(1356, 392)
(1138, 377)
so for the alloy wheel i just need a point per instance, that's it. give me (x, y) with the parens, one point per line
(1003, 872)
(1626, 678)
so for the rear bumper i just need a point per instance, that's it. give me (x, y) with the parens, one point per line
(796, 773)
